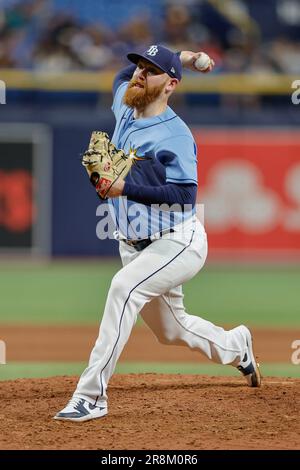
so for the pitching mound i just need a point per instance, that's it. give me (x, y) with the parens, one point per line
(155, 411)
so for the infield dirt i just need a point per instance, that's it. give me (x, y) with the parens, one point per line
(148, 411)
(155, 411)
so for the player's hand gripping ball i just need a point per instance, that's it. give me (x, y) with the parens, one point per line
(203, 62)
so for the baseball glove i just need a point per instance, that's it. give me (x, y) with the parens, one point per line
(104, 163)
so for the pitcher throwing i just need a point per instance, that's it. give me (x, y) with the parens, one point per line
(148, 173)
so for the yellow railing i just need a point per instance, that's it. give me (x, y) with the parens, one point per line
(272, 84)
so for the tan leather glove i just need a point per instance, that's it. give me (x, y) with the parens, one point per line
(104, 163)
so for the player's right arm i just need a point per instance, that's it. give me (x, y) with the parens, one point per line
(125, 75)
(119, 87)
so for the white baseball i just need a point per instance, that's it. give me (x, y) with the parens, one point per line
(203, 62)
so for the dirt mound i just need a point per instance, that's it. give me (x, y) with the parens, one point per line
(155, 411)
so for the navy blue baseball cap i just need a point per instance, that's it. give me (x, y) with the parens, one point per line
(162, 57)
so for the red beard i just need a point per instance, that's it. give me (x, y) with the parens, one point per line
(140, 98)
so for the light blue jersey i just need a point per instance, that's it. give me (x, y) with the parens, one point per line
(170, 156)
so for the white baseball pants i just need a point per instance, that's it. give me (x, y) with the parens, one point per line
(150, 283)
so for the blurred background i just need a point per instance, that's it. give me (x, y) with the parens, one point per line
(57, 63)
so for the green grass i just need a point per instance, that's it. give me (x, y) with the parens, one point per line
(74, 292)
(264, 296)
(54, 293)
(17, 370)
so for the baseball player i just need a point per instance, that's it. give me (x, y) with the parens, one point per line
(160, 255)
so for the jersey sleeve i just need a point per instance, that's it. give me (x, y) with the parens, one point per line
(119, 87)
(125, 75)
(179, 156)
(118, 99)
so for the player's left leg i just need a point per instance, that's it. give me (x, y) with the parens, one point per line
(171, 324)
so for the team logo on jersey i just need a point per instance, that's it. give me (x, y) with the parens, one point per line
(153, 50)
(134, 156)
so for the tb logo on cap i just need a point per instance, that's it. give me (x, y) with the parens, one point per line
(153, 50)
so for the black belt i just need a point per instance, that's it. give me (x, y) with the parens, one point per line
(140, 245)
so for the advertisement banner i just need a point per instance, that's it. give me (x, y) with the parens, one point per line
(249, 182)
(17, 208)
(25, 192)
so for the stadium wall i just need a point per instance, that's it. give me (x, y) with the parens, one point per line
(64, 205)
